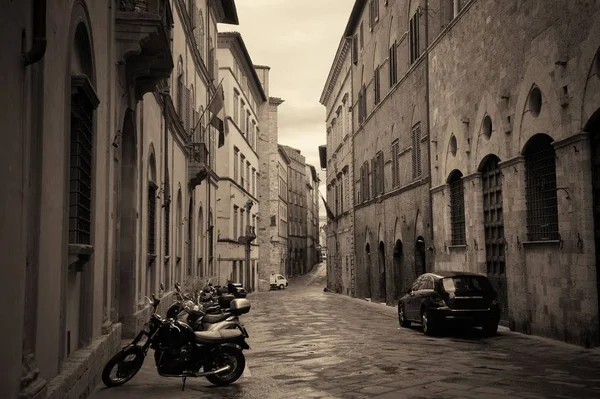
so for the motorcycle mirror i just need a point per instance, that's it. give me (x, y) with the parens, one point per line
(149, 300)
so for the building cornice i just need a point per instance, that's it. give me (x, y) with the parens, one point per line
(225, 37)
(334, 72)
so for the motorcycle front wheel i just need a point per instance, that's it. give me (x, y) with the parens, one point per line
(229, 356)
(123, 366)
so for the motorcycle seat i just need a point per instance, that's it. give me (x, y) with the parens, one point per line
(218, 337)
(215, 318)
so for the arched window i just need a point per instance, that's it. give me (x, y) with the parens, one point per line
(457, 208)
(151, 211)
(193, 115)
(180, 86)
(540, 180)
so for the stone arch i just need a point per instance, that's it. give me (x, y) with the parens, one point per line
(397, 230)
(81, 55)
(382, 271)
(591, 92)
(398, 270)
(450, 162)
(526, 125)
(151, 170)
(392, 33)
(368, 251)
(124, 290)
(495, 143)
(485, 160)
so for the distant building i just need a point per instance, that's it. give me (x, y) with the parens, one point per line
(296, 263)
(238, 163)
(312, 217)
(273, 167)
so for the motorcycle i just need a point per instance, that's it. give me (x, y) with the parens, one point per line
(196, 314)
(179, 351)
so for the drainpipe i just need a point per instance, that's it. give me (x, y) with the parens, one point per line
(427, 108)
(38, 48)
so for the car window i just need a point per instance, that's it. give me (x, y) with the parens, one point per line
(466, 283)
(427, 283)
(415, 285)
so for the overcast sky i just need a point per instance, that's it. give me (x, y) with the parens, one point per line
(298, 40)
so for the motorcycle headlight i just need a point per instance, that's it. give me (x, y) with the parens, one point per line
(146, 328)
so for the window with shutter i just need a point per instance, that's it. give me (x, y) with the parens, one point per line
(376, 86)
(373, 180)
(416, 151)
(457, 209)
(395, 166)
(355, 49)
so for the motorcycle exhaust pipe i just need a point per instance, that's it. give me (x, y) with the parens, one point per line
(212, 372)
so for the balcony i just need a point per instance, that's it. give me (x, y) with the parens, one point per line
(143, 32)
(197, 164)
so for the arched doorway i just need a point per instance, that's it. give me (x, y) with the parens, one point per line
(593, 127)
(382, 277)
(493, 222)
(420, 265)
(126, 255)
(190, 234)
(398, 264)
(368, 291)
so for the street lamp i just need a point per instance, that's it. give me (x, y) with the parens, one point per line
(250, 235)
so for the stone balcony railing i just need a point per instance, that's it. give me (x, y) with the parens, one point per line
(143, 32)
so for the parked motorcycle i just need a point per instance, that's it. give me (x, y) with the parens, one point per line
(196, 315)
(179, 351)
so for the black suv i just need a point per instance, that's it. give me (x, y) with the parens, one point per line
(436, 299)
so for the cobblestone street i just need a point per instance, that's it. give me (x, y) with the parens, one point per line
(310, 344)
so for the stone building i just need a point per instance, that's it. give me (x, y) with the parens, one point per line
(296, 262)
(93, 109)
(505, 98)
(272, 243)
(338, 160)
(312, 216)
(377, 114)
(515, 122)
(237, 163)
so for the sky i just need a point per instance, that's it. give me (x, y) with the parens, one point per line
(298, 40)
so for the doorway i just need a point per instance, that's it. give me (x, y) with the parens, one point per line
(382, 278)
(127, 225)
(593, 127)
(398, 264)
(493, 223)
(368, 292)
(420, 265)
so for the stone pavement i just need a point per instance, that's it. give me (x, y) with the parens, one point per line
(310, 344)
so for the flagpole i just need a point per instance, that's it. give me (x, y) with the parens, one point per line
(208, 105)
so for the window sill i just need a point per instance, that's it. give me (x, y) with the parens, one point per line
(167, 257)
(457, 247)
(151, 258)
(541, 242)
(79, 255)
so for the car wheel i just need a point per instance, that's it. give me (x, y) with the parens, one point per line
(490, 329)
(402, 317)
(427, 323)
(281, 286)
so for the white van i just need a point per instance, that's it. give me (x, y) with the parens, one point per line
(278, 281)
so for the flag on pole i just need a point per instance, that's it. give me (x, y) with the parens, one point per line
(217, 108)
(330, 214)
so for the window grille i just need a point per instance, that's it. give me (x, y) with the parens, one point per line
(416, 152)
(152, 218)
(542, 206)
(457, 209)
(80, 201)
(493, 220)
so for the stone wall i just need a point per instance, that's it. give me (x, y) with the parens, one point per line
(499, 52)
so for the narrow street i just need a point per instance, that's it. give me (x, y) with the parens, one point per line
(310, 344)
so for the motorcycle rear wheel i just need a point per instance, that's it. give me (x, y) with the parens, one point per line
(231, 356)
(126, 366)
